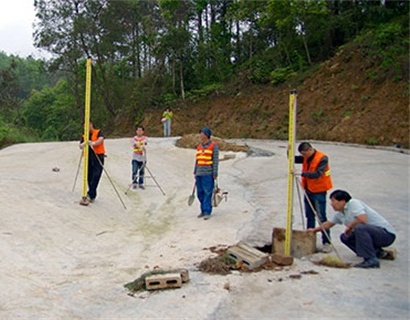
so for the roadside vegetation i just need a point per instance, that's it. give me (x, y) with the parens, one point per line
(151, 54)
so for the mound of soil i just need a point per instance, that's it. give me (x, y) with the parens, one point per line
(191, 141)
(222, 264)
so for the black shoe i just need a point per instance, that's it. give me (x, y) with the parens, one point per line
(389, 254)
(369, 263)
(201, 215)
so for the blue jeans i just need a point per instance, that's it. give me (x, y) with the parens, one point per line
(204, 189)
(318, 201)
(138, 165)
(366, 240)
(167, 128)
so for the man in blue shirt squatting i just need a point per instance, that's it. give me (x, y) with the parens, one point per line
(366, 233)
(206, 171)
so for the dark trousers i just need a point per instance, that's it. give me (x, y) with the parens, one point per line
(94, 174)
(366, 240)
(318, 201)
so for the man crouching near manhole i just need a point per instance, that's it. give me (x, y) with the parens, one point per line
(366, 233)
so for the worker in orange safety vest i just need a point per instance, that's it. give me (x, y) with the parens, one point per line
(96, 155)
(316, 181)
(206, 171)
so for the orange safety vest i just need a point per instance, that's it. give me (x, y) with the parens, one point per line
(139, 144)
(321, 184)
(204, 155)
(94, 137)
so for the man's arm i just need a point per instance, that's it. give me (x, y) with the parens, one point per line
(98, 141)
(361, 218)
(215, 161)
(326, 225)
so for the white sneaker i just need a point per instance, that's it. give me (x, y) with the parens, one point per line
(327, 248)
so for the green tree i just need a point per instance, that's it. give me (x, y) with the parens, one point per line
(52, 114)
(9, 89)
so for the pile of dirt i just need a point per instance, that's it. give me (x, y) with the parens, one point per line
(191, 141)
(223, 264)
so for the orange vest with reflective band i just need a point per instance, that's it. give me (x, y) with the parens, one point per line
(139, 144)
(321, 184)
(204, 155)
(94, 137)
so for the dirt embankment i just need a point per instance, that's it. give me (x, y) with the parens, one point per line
(340, 102)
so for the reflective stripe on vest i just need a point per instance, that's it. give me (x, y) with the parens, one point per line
(204, 155)
(321, 184)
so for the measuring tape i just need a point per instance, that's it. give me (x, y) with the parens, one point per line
(86, 125)
(291, 162)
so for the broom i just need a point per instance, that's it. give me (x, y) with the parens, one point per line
(335, 262)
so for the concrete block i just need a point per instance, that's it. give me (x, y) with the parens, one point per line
(251, 257)
(163, 281)
(302, 243)
(184, 275)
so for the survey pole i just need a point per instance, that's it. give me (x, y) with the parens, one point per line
(86, 125)
(291, 163)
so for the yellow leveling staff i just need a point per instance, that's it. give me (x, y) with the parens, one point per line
(86, 126)
(291, 162)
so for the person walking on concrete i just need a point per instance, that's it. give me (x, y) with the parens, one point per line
(96, 155)
(206, 171)
(139, 158)
(316, 181)
(167, 116)
(366, 233)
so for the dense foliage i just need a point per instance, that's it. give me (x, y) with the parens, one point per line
(148, 53)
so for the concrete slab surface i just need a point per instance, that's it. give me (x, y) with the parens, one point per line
(60, 260)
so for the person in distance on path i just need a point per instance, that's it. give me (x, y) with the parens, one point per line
(167, 116)
(366, 233)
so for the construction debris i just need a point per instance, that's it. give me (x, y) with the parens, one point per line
(159, 279)
(163, 281)
(302, 243)
(251, 257)
(282, 259)
(232, 258)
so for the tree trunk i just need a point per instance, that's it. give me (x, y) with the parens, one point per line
(181, 76)
(306, 49)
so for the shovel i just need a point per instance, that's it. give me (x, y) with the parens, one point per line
(192, 196)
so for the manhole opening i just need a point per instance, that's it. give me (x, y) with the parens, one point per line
(267, 248)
